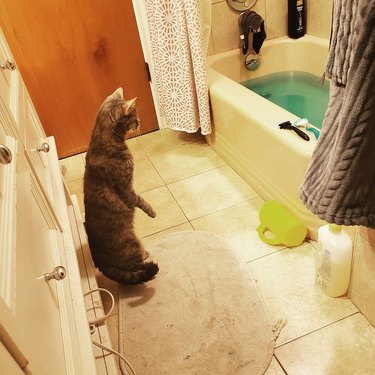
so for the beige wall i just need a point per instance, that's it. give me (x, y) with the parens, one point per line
(319, 17)
(362, 288)
(225, 31)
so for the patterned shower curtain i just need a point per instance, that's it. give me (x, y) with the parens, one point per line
(179, 58)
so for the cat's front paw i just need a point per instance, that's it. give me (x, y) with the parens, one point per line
(146, 255)
(151, 213)
(146, 207)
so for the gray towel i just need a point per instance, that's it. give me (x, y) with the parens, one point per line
(251, 25)
(339, 185)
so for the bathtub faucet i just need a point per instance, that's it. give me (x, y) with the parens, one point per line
(252, 34)
(250, 23)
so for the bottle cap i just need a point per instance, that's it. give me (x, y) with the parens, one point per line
(334, 228)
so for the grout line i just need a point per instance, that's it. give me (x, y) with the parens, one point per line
(180, 146)
(161, 177)
(167, 190)
(162, 230)
(198, 174)
(283, 248)
(225, 208)
(279, 362)
(216, 211)
(178, 204)
(274, 252)
(266, 255)
(171, 149)
(317, 329)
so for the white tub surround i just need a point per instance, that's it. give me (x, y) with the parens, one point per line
(245, 131)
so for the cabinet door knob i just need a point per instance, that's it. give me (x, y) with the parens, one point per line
(9, 64)
(44, 147)
(5, 155)
(58, 273)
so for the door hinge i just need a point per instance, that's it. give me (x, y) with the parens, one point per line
(148, 72)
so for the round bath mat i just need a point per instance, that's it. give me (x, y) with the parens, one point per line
(201, 314)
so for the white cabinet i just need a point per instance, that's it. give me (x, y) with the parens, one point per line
(43, 323)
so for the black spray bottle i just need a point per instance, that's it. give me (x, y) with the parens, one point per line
(296, 18)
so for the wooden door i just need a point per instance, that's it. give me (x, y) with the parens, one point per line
(72, 54)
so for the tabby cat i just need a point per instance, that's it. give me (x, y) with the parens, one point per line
(109, 197)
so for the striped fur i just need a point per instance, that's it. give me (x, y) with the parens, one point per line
(110, 199)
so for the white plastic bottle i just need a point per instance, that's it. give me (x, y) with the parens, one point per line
(333, 260)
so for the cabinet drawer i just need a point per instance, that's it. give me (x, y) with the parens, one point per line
(11, 85)
(37, 148)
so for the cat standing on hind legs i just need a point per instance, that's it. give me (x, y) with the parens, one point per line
(109, 197)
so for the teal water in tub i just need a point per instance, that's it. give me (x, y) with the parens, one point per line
(298, 92)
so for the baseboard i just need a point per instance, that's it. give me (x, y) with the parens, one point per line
(105, 362)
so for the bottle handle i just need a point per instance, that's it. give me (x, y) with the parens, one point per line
(271, 241)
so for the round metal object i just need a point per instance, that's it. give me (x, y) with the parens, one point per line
(5, 155)
(44, 147)
(241, 5)
(9, 64)
(58, 273)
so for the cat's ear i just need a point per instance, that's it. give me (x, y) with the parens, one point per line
(118, 94)
(130, 105)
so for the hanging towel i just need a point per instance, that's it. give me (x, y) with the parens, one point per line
(251, 22)
(339, 185)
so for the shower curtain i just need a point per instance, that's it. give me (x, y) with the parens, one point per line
(179, 58)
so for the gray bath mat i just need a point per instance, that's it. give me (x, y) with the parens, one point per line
(201, 315)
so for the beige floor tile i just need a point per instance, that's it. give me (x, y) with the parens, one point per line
(166, 140)
(136, 149)
(343, 348)
(112, 324)
(313, 243)
(72, 167)
(75, 187)
(368, 234)
(186, 227)
(168, 213)
(274, 368)
(237, 225)
(287, 285)
(218, 201)
(112, 287)
(211, 191)
(185, 161)
(145, 176)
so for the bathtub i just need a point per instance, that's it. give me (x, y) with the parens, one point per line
(245, 132)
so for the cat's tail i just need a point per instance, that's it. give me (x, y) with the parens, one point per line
(136, 273)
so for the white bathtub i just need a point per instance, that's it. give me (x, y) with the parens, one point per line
(245, 132)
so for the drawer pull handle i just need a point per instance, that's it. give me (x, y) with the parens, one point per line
(9, 64)
(44, 147)
(5, 155)
(58, 273)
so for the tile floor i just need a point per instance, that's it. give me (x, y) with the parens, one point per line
(192, 188)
